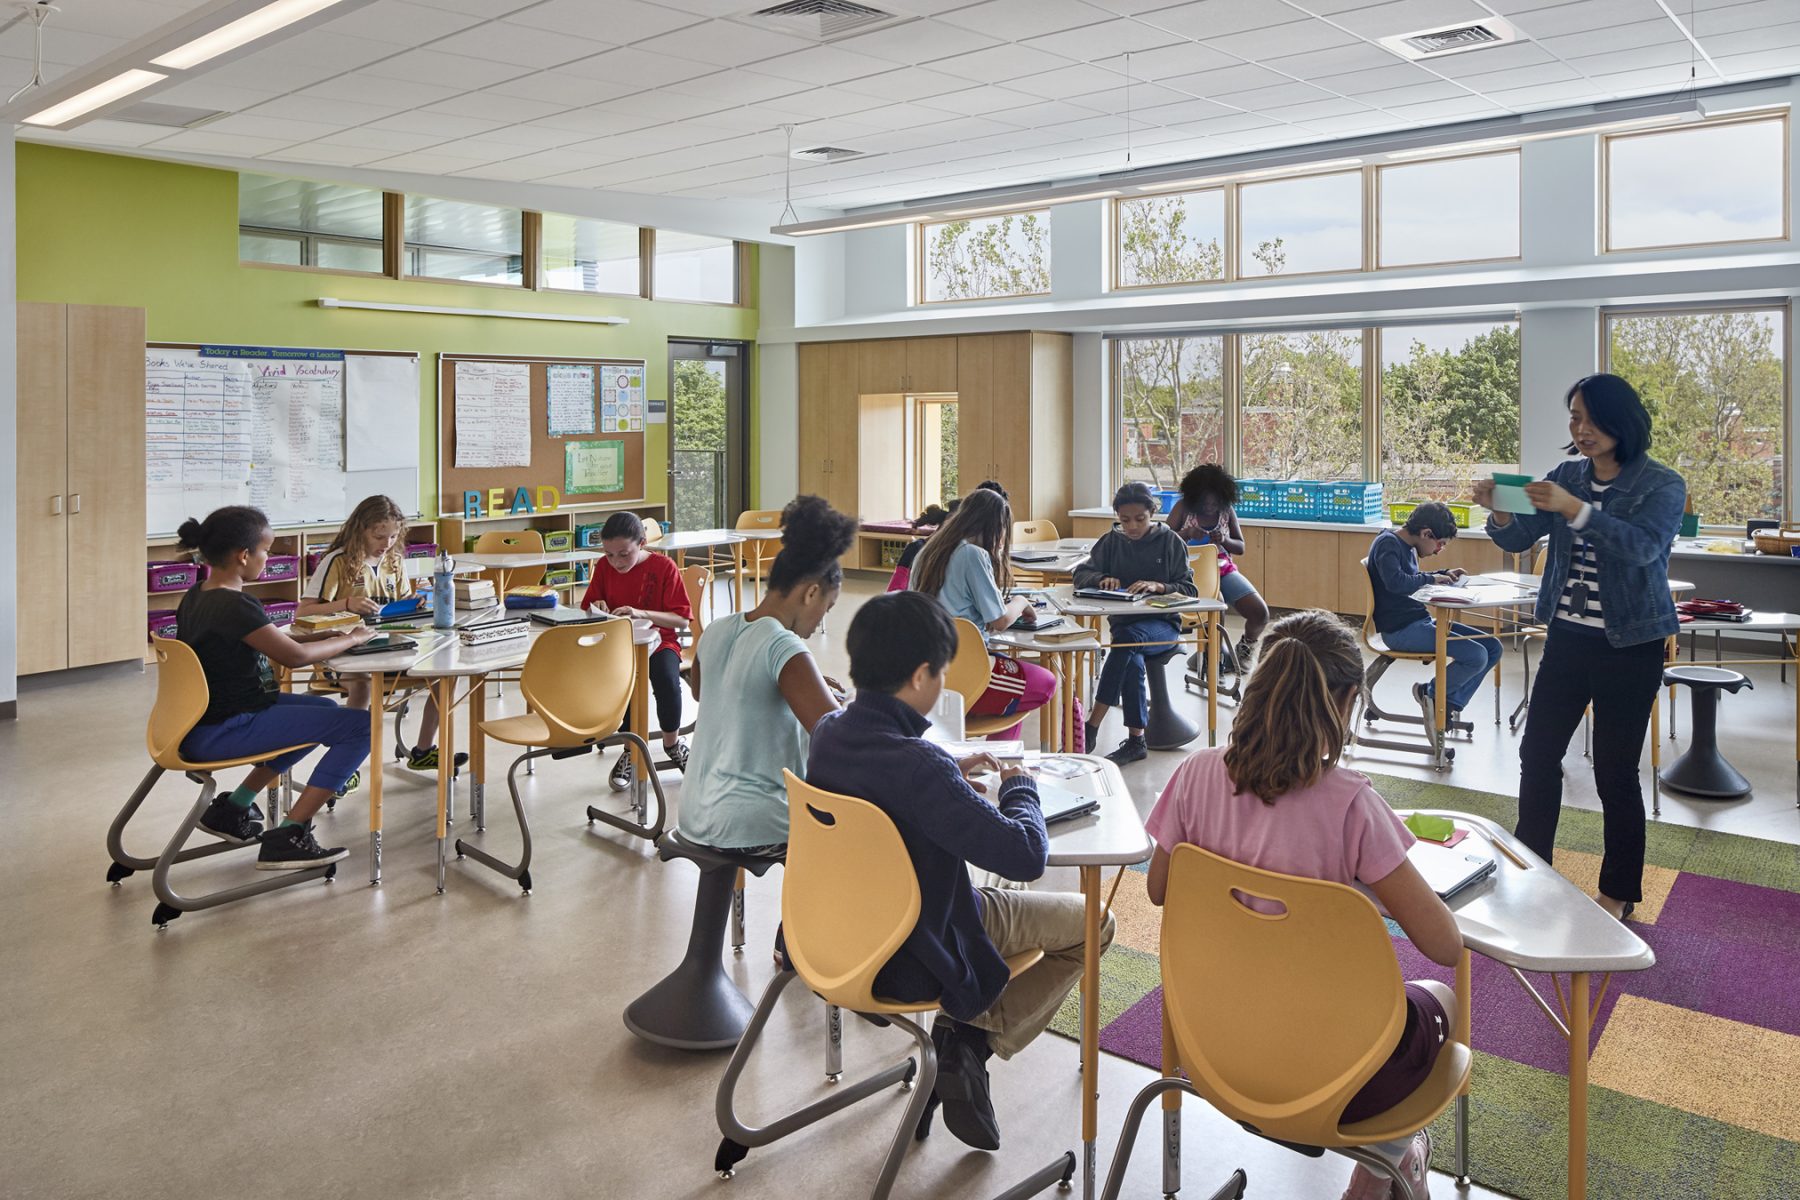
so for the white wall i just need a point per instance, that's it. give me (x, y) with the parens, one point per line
(9, 420)
(777, 446)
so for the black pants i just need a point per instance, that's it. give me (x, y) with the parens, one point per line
(1578, 670)
(665, 685)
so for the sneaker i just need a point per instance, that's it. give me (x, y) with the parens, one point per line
(352, 783)
(1427, 703)
(425, 758)
(234, 823)
(1090, 733)
(1246, 656)
(1228, 663)
(623, 772)
(940, 1040)
(1367, 1185)
(293, 848)
(1415, 1169)
(678, 755)
(962, 1087)
(1131, 750)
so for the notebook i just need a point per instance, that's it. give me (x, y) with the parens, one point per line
(1450, 871)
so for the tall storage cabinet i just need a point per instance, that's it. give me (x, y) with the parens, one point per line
(80, 485)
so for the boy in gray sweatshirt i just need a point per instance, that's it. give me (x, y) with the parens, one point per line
(1143, 556)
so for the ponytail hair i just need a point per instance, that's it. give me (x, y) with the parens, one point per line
(1290, 729)
(224, 532)
(813, 537)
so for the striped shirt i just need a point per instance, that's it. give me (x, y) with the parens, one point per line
(1580, 603)
(379, 581)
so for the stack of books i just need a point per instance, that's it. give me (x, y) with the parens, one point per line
(476, 593)
(326, 622)
(488, 632)
(532, 596)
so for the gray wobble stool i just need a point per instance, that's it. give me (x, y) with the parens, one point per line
(1702, 770)
(1165, 729)
(696, 1006)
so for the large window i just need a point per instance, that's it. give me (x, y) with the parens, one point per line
(1172, 406)
(1714, 383)
(692, 266)
(474, 243)
(935, 473)
(985, 258)
(1172, 239)
(1723, 182)
(1449, 407)
(300, 223)
(1301, 226)
(1301, 409)
(1451, 210)
(584, 255)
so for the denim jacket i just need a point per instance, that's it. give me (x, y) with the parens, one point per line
(1631, 537)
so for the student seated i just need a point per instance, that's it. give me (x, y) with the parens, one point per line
(899, 645)
(1275, 798)
(761, 693)
(632, 582)
(363, 569)
(1204, 514)
(1405, 624)
(1145, 557)
(234, 640)
(965, 565)
(930, 519)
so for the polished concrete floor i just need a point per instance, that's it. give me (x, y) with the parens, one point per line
(337, 1039)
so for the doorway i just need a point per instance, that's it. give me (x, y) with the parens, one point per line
(708, 433)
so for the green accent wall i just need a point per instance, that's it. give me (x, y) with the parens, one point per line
(108, 229)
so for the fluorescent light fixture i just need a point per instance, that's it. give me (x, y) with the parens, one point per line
(1029, 202)
(98, 96)
(335, 302)
(261, 23)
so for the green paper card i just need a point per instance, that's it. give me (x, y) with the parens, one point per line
(1509, 493)
(1430, 828)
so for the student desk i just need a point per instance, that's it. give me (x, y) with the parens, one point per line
(1062, 659)
(1112, 837)
(1529, 918)
(1090, 611)
(440, 660)
(1070, 553)
(507, 563)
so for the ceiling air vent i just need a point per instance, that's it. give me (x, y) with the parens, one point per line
(168, 116)
(1452, 39)
(827, 154)
(822, 20)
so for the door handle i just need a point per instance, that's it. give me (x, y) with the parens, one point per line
(56, 506)
(75, 502)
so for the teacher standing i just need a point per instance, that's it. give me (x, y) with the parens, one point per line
(1611, 516)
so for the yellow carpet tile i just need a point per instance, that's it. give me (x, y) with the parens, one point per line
(1583, 870)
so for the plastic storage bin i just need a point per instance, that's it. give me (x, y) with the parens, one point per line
(1256, 498)
(1295, 500)
(172, 576)
(559, 578)
(587, 537)
(1350, 503)
(1464, 513)
(161, 623)
(559, 541)
(281, 611)
(1168, 497)
(280, 567)
(421, 550)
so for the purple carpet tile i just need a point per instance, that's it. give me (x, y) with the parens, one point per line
(1741, 912)
(1720, 975)
(1136, 1033)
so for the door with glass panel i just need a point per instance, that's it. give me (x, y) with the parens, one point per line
(708, 430)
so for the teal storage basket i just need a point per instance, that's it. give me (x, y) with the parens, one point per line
(1350, 503)
(1296, 500)
(1255, 498)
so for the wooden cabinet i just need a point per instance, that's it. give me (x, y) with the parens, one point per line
(1353, 577)
(881, 366)
(1014, 408)
(895, 366)
(828, 421)
(1251, 561)
(80, 485)
(931, 364)
(1300, 569)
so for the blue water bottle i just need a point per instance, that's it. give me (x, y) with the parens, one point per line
(443, 592)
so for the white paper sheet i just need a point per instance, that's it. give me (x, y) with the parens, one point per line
(570, 387)
(493, 414)
(381, 412)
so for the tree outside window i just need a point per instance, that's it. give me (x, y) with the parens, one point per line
(1449, 408)
(984, 258)
(1301, 411)
(1172, 405)
(1713, 384)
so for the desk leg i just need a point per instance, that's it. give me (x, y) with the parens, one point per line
(737, 585)
(639, 717)
(1465, 1001)
(1440, 700)
(477, 757)
(1171, 1105)
(445, 688)
(1090, 1030)
(1579, 1024)
(1212, 679)
(1495, 626)
(1064, 667)
(377, 705)
(1050, 716)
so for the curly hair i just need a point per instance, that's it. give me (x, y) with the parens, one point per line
(1209, 479)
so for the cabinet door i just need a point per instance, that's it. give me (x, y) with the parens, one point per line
(814, 412)
(1251, 561)
(974, 410)
(1300, 569)
(931, 364)
(42, 488)
(106, 483)
(842, 446)
(882, 366)
(1353, 577)
(1011, 438)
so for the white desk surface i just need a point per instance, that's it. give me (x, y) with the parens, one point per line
(1527, 916)
(509, 562)
(1515, 590)
(694, 539)
(1111, 837)
(1030, 643)
(1064, 601)
(1759, 622)
(758, 535)
(441, 652)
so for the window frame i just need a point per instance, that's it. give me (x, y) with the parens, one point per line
(1362, 174)
(644, 256)
(1377, 433)
(1374, 210)
(925, 406)
(529, 229)
(1777, 116)
(647, 272)
(307, 243)
(1227, 240)
(1787, 310)
(918, 229)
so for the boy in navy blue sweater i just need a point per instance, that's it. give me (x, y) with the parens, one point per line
(899, 645)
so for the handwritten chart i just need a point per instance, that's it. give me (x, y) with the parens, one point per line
(493, 414)
(571, 398)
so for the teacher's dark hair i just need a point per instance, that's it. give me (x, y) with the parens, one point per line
(1616, 408)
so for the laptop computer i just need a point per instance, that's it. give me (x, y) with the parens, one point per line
(565, 616)
(1451, 870)
(1061, 804)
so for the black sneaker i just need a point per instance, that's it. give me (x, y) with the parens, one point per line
(678, 755)
(1132, 749)
(1090, 734)
(962, 1086)
(234, 823)
(1228, 664)
(1427, 703)
(940, 1041)
(623, 772)
(293, 848)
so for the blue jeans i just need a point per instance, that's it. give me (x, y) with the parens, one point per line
(1470, 659)
(1122, 674)
(344, 732)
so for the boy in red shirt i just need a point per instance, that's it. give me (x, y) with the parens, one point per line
(632, 582)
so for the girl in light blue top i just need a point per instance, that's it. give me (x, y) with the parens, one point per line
(762, 692)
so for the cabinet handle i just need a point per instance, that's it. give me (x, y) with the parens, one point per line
(75, 502)
(56, 506)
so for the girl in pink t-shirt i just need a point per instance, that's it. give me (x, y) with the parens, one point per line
(1275, 798)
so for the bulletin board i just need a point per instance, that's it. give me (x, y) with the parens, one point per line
(525, 422)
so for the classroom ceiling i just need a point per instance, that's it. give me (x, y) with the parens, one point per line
(687, 97)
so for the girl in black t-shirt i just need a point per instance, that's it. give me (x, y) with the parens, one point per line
(234, 640)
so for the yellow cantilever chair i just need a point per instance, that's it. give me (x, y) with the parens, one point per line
(1330, 1009)
(1032, 533)
(577, 683)
(841, 847)
(1385, 657)
(968, 675)
(181, 700)
(753, 555)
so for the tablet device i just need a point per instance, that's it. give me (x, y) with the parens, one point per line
(1061, 804)
(1024, 556)
(1450, 871)
(384, 644)
(566, 616)
(1119, 594)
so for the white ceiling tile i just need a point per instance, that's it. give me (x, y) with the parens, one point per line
(1074, 80)
(1741, 15)
(1543, 95)
(666, 106)
(335, 156)
(1045, 112)
(522, 45)
(1231, 79)
(531, 137)
(822, 64)
(205, 92)
(1363, 122)
(737, 87)
(477, 8)
(267, 70)
(555, 87)
(593, 122)
(738, 121)
(1356, 83)
(1185, 112)
(512, 170)
(201, 141)
(443, 125)
(1320, 64)
(917, 42)
(1000, 63)
(427, 162)
(495, 107)
(277, 128)
(1262, 44)
(919, 83)
(724, 43)
(1205, 20)
(1589, 14)
(1571, 46)
(393, 141)
(117, 134)
(1182, 58)
(430, 66)
(1761, 64)
(396, 93)
(1138, 96)
(640, 68)
(1465, 108)
(1638, 58)
(119, 19)
(338, 114)
(616, 21)
(321, 47)
(1422, 93)
(1318, 110)
(1550, 72)
(1259, 99)
(1492, 60)
(1768, 37)
(1020, 19)
(974, 101)
(401, 23)
(822, 102)
(1093, 43)
(1404, 16)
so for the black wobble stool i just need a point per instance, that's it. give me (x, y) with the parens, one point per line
(696, 1007)
(1703, 771)
(1167, 729)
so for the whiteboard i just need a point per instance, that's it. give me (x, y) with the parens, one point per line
(303, 434)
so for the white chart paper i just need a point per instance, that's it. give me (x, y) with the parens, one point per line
(571, 398)
(493, 414)
(381, 412)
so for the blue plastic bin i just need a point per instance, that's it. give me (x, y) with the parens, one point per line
(1295, 500)
(1168, 496)
(1349, 503)
(1255, 498)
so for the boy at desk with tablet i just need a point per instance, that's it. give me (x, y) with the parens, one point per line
(899, 645)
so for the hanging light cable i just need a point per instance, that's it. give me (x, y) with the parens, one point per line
(788, 215)
(39, 13)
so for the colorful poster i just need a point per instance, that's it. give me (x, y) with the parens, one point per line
(591, 467)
